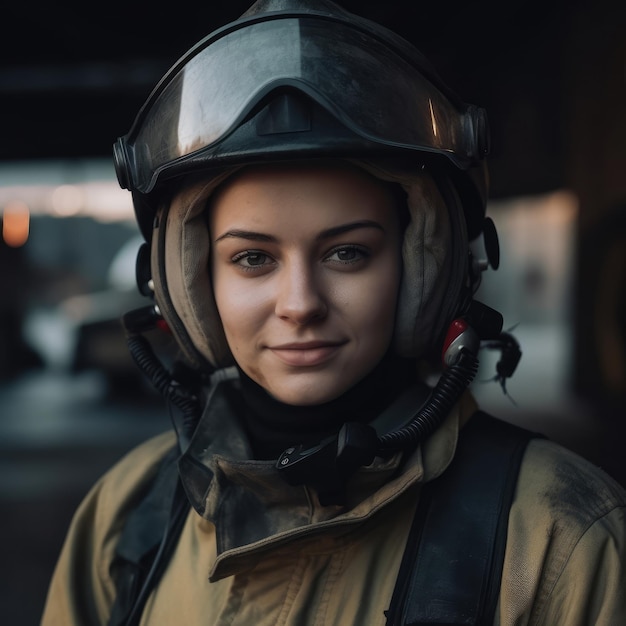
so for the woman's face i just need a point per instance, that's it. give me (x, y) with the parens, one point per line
(305, 266)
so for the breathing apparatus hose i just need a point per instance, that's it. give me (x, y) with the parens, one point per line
(454, 380)
(451, 384)
(175, 393)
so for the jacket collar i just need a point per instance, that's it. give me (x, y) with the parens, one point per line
(250, 504)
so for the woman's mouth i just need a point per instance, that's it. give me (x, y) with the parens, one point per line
(306, 354)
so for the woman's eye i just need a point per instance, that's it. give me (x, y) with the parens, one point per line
(347, 254)
(251, 259)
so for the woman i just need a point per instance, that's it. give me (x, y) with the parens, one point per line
(308, 247)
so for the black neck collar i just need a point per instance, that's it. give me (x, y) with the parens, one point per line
(273, 426)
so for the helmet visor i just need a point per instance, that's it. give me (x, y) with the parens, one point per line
(367, 86)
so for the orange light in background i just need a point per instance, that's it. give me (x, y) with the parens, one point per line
(15, 223)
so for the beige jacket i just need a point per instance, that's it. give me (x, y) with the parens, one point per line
(256, 552)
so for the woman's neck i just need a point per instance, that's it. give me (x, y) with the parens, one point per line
(273, 426)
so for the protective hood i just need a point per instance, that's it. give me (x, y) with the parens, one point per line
(305, 79)
(434, 266)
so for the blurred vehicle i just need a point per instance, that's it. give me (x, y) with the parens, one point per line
(99, 342)
(83, 332)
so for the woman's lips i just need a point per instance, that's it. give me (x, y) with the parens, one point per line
(306, 354)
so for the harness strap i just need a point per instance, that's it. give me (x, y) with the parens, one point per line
(149, 536)
(452, 566)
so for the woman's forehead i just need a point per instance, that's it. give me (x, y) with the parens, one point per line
(316, 187)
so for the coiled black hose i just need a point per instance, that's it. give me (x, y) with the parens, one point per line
(142, 353)
(444, 395)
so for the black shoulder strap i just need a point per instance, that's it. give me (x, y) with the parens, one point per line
(150, 533)
(452, 566)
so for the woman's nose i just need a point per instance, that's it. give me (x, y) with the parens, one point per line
(300, 298)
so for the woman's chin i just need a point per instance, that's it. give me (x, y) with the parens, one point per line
(307, 389)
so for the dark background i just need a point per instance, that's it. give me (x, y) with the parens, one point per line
(551, 76)
(74, 75)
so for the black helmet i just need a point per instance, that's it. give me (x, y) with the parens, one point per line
(305, 79)
(300, 78)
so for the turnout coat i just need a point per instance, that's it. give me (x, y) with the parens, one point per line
(255, 551)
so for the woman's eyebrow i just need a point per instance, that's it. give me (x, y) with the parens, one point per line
(251, 235)
(344, 228)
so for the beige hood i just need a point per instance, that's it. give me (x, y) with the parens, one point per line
(434, 257)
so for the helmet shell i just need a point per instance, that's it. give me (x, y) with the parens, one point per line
(300, 79)
(305, 79)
